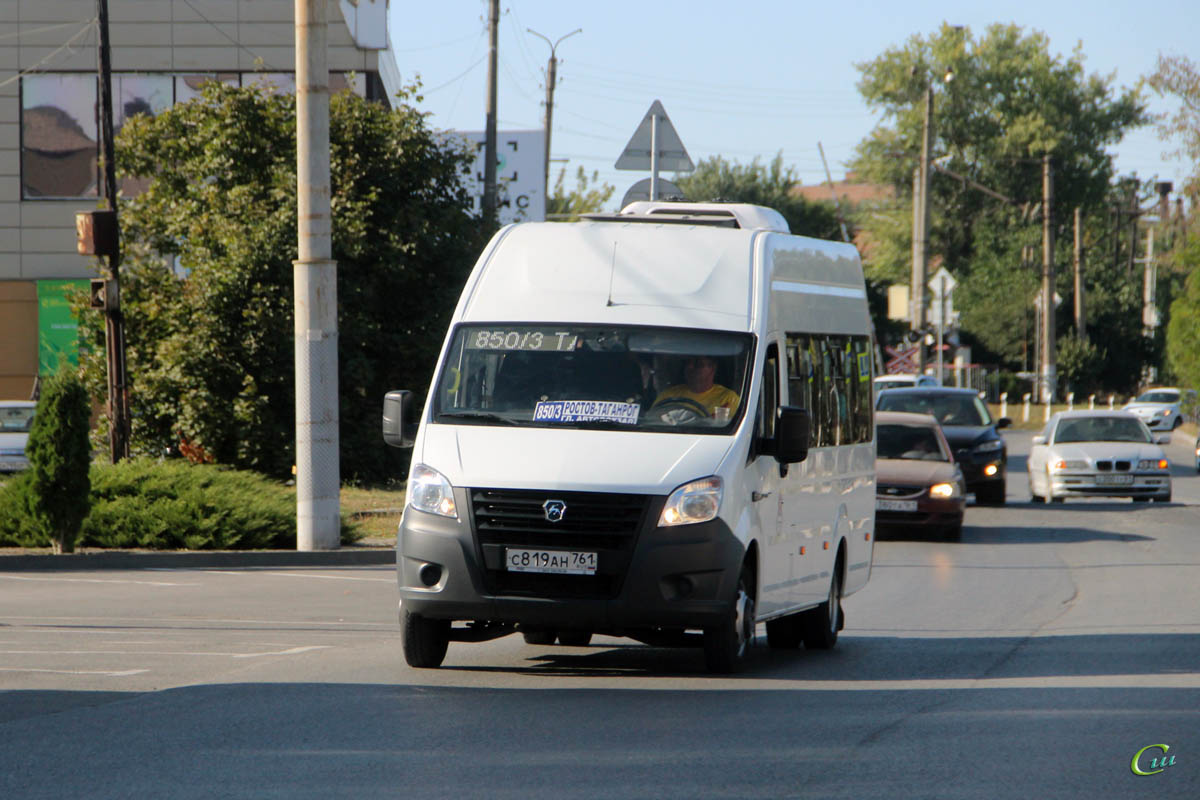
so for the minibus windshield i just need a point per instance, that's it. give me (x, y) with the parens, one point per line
(602, 378)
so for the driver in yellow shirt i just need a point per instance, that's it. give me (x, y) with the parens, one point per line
(700, 387)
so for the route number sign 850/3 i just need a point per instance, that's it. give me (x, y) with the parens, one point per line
(560, 562)
(554, 341)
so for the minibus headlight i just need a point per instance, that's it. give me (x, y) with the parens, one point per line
(429, 491)
(693, 502)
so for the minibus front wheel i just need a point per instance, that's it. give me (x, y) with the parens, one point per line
(727, 645)
(425, 640)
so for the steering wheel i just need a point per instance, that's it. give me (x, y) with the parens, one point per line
(678, 410)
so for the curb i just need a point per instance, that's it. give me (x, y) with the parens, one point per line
(349, 556)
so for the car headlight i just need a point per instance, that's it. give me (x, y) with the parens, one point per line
(989, 447)
(428, 490)
(943, 491)
(1062, 464)
(1166, 412)
(1153, 463)
(693, 502)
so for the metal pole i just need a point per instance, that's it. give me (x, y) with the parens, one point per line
(489, 146)
(1049, 360)
(114, 330)
(314, 274)
(920, 245)
(653, 157)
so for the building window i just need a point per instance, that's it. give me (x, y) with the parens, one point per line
(58, 136)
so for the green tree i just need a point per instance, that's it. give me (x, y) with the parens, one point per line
(716, 179)
(1010, 101)
(207, 285)
(1178, 78)
(58, 493)
(588, 196)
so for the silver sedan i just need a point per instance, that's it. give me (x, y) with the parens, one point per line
(1098, 454)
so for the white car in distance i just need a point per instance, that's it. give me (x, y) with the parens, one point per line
(1098, 454)
(1159, 408)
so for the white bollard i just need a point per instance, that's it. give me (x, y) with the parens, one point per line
(1070, 401)
(1110, 402)
(1046, 412)
(1025, 412)
(1091, 402)
(1004, 404)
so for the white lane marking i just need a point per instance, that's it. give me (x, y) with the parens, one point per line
(117, 674)
(181, 623)
(287, 652)
(89, 580)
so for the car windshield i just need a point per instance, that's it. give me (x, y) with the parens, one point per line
(1158, 397)
(893, 384)
(1101, 429)
(582, 376)
(909, 443)
(16, 419)
(948, 409)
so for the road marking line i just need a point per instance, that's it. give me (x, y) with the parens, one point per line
(289, 651)
(90, 580)
(118, 674)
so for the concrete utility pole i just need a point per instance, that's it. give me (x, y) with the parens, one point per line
(314, 275)
(489, 144)
(1049, 361)
(114, 328)
(551, 80)
(920, 265)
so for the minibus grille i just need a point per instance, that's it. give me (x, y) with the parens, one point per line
(607, 524)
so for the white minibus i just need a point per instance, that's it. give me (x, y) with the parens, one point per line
(654, 424)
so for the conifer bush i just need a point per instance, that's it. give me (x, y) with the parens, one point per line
(57, 494)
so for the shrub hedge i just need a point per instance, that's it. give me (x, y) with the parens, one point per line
(169, 505)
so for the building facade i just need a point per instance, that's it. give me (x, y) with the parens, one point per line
(161, 52)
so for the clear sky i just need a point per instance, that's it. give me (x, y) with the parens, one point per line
(743, 79)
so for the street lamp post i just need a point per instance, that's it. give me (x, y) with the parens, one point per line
(551, 79)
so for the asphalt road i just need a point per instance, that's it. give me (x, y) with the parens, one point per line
(1033, 659)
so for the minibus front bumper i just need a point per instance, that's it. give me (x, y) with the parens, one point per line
(656, 578)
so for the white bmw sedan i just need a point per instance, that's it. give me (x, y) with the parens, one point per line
(1098, 454)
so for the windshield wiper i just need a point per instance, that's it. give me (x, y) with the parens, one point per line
(476, 416)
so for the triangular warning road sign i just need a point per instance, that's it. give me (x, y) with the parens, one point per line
(672, 155)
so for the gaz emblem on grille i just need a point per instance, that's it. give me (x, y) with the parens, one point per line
(554, 510)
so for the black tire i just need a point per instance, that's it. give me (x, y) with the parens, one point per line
(783, 633)
(727, 646)
(1057, 499)
(1178, 421)
(820, 625)
(1141, 499)
(993, 494)
(425, 640)
(575, 638)
(1165, 499)
(539, 637)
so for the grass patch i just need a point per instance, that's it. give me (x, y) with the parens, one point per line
(374, 513)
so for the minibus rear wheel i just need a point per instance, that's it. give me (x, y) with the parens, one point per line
(727, 645)
(821, 624)
(425, 640)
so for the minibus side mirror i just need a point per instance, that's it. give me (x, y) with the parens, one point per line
(1003, 422)
(791, 435)
(398, 411)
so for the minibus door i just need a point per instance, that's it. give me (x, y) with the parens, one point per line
(775, 559)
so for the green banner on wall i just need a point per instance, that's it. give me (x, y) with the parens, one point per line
(58, 330)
